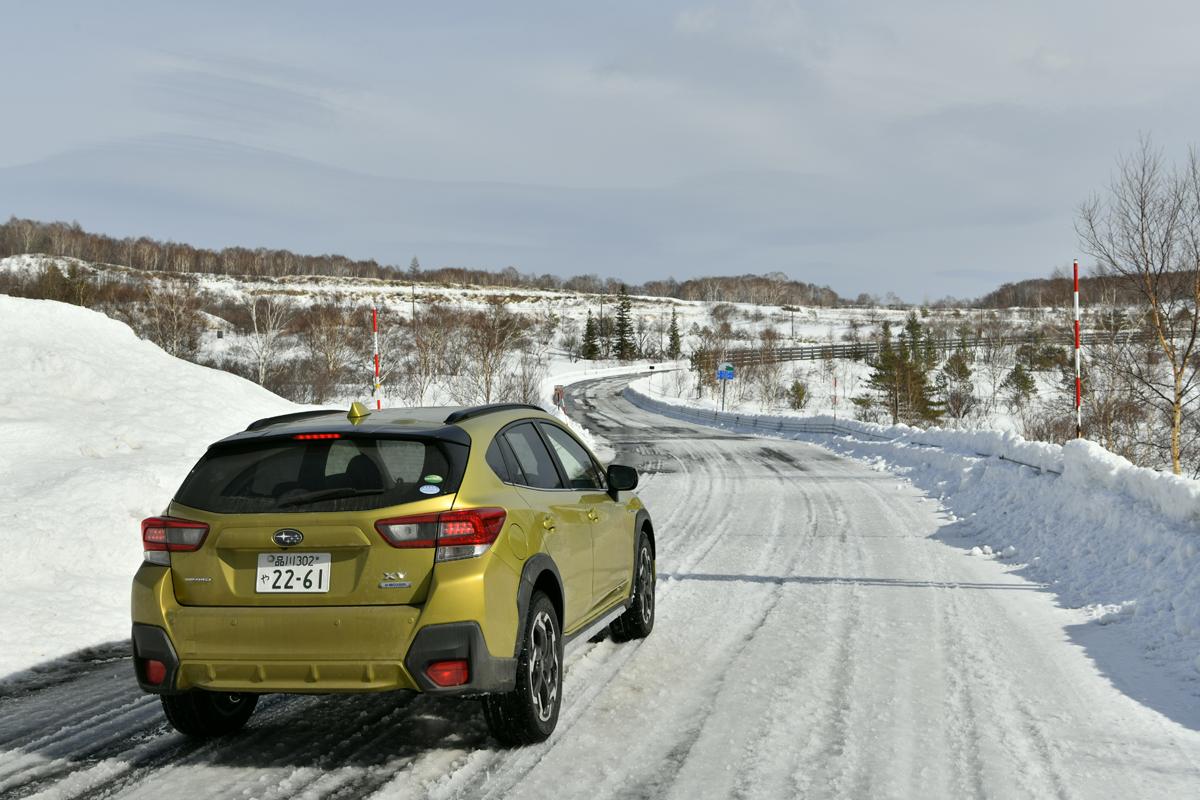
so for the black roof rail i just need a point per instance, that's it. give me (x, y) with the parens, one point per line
(478, 411)
(259, 424)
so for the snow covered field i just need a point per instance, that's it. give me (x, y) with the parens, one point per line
(99, 428)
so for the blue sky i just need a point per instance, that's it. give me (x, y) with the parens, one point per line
(927, 148)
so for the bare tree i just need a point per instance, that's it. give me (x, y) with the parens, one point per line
(490, 337)
(769, 375)
(172, 318)
(1146, 230)
(420, 353)
(263, 342)
(995, 358)
(325, 332)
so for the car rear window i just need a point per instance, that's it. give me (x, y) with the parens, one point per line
(347, 474)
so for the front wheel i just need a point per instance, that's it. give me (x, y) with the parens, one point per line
(204, 715)
(638, 619)
(528, 713)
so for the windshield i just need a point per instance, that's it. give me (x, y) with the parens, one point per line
(323, 475)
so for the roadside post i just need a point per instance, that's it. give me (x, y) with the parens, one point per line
(724, 375)
(1078, 375)
(375, 334)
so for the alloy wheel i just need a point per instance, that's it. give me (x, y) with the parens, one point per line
(543, 666)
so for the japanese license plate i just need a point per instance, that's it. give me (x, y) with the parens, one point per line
(296, 573)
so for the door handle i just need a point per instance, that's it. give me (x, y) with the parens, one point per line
(548, 523)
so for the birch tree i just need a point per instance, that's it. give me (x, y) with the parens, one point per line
(1146, 229)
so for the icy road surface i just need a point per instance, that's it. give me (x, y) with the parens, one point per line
(821, 633)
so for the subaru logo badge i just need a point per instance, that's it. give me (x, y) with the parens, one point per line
(287, 537)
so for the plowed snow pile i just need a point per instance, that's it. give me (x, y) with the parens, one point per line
(98, 427)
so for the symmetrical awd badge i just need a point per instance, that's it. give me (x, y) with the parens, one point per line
(287, 537)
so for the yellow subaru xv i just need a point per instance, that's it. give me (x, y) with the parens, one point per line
(448, 551)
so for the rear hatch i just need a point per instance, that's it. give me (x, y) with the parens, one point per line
(291, 520)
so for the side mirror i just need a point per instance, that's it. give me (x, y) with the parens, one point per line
(621, 478)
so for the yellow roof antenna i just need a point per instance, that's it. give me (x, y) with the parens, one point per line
(358, 412)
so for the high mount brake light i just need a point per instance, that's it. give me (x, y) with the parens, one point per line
(164, 535)
(309, 436)
(465, 533)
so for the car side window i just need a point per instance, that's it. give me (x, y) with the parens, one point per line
(495, 460)
(581, 470)
(532, 457)
(502, 461)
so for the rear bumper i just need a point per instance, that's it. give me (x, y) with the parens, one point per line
(301, 650)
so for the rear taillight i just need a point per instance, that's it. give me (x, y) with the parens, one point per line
(449, 673)
(455, 534)
(164, 535)
(156, 672)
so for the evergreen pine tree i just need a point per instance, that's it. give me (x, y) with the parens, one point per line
(955, 387)
(900, 375)
(885, 374)
(674, 343)
(1020, 385)
(591, 347)
(623, 334)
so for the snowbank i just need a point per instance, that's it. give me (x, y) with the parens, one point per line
(99, 427)
(1118, 541)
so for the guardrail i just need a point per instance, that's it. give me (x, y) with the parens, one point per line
(767, 425)
(859, 350)
(788, 425)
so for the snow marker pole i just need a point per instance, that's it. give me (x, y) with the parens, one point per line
(375, 335)
(1078, 378)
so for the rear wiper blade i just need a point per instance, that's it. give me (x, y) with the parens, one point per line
(327, 494)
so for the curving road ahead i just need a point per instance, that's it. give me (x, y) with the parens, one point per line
(821, 633)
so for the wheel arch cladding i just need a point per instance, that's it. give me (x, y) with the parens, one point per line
(538, 575)
(642, 524)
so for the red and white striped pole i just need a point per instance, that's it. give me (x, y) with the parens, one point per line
(375, 333)
(1078, 378)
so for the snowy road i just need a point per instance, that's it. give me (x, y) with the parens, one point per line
(821, 632)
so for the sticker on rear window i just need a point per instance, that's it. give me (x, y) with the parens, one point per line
(433, 478)
(428, 489)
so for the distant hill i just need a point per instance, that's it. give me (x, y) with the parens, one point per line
(21, 236)
(1057, 292)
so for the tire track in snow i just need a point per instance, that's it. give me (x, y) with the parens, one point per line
(679, 755)
(512, 772)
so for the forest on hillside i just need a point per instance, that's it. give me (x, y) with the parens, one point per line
(20, 236)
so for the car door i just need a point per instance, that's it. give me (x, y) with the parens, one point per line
(612, 550)
(565, 525)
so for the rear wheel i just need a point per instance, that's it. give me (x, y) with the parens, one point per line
(207, 714)
(529, 712)
(638, 619)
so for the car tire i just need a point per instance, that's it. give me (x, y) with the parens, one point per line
(638, 619)
(528, 713)
(204, 715)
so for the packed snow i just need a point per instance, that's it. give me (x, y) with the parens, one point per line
(1102, 532)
